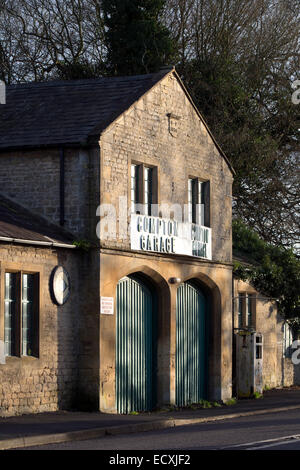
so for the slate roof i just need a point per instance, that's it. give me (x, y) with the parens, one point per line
(67, 112)
(18, 223)
(73, 112)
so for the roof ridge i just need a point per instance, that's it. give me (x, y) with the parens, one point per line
(85, 81)
(74, 112)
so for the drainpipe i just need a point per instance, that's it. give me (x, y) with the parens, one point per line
(234, 371)
(62, 186)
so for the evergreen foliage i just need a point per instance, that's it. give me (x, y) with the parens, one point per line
(137, 42)
(272, 270)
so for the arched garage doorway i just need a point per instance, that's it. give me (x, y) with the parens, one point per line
(136, 342)
(191, 344)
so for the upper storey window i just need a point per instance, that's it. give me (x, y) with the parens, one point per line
(199, 202)
(134, 187)
(143, 189)
(246, 310)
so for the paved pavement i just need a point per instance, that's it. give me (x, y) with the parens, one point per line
(64, 426)
(263, 432)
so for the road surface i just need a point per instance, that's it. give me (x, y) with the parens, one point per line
(274, 431)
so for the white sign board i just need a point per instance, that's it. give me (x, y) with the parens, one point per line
(169, 236)
(107, 305)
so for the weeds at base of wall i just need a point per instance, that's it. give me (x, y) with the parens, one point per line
(231, 402)
(203, 404)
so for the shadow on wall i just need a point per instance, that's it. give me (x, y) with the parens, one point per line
(78, 334)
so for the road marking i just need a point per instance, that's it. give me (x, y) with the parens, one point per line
(267, 441)
(276, 444)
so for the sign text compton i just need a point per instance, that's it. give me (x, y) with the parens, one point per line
(169, 236)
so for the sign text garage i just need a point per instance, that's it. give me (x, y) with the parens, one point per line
(169, 236)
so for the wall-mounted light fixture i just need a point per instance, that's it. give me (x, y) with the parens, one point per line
(174, 280)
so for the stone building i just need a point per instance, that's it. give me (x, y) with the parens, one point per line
(128, 168)
(38, 339)
(257, 313)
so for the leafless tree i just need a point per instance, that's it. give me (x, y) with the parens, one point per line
(39, 36)
(238, 59)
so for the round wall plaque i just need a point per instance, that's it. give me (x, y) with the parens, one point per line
(60, 285)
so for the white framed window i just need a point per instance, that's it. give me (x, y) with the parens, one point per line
(21, 314)
(198, 202)
(143, 189)
(246, 309)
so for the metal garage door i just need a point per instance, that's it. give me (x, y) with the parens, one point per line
(134, 346)
(191, 345)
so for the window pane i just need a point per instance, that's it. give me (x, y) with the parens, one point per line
(148, 190)
(133, 187)
(146, 173)
(190, 189)
(191, 201)
(240, 311)
(250, 310)
(201, 208)
(28, 323)
(10, 314)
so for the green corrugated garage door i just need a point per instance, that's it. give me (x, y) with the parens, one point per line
(135, 346)
(191, 345)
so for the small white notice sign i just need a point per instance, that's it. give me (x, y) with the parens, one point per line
(107, 305)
